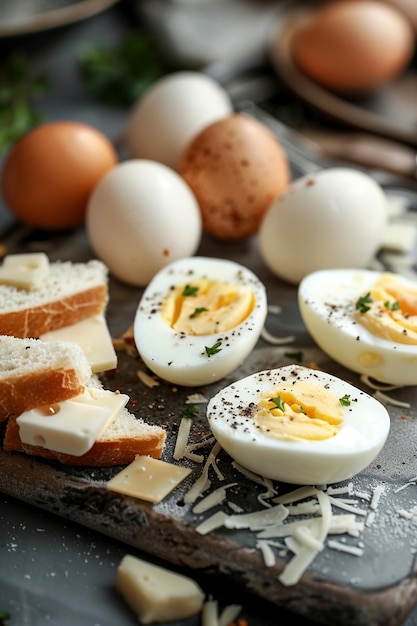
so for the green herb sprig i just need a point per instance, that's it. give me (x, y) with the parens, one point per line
(392, 306)
(362, 304)
(189, 291)
(213, 349)
(198, 311)
(122, 73)
(345, 400)
(190, 411)
(279, 404)
(20, 86)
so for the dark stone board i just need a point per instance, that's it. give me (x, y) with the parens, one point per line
(378, 588)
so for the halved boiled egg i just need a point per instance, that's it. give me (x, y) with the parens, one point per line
(365, 320)
(198, 320)
(298, 425)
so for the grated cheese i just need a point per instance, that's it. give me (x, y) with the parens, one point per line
(214, 498)
(196, 398)
(343, 547)
(376, 496)
(182, 438)
(258, 519)
(217, 520)
(274, 340)
(203, 482)
(229, 614)
(382, 397)
(147, 380)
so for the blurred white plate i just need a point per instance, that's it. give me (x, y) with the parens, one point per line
(19, 17)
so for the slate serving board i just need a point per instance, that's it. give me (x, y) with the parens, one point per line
(378, 588)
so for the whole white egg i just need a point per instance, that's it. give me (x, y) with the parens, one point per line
(248, 420)
(334, 218)
(198, 320)
(174, 110)
(140, 217)
(365, 320)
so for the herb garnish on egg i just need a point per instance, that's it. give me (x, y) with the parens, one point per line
(198, 320)
(366, 320)
(298, 425)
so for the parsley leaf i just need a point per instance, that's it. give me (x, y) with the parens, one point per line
(120, 75)
(190, 411)
(4, 618)
(296, 356)
(392, 306)
(279, 404)
(214, 349)
(198, 311)
(189, 290)
(363, 303)
(345, 400)
(19, 86)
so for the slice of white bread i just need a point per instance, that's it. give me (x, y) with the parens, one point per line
(69, 293)
(125, 438)
(34, 373)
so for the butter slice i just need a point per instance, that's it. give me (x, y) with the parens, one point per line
(24, 271)
(93, 335)
(157, 595)
(148, 479)
(72, 426)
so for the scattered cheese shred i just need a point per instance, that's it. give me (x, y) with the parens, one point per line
(343, 547)
(382, 397)
(203, 482)
(182, 438)
(214, 498)
(376, 496)
(147, 380)
(274, 340)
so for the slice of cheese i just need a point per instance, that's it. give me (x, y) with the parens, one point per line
(93, 335)
(24, 271)
(148, 478)
(157, 595)
(71, 426)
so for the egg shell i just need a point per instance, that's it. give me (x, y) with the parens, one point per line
(236, 168)
(362, 435)
(48, 175)
(353, 47)
(141, 217)
(171, 113)
(181, 358)
(327, 301)
(334, 218)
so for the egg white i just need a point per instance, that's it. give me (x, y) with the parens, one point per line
(181, 358)
(327, 301)
(361, 437)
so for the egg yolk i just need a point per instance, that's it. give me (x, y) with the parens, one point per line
(204, 307)
(389, 310)
(300, 410)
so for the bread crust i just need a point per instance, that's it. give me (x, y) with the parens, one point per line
(35, 321)
(22, 393)
(104, 453)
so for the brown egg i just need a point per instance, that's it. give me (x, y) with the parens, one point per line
(48, 175)
(236, 168)
(353, 46)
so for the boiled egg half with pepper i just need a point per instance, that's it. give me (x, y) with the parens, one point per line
(365, 320)
(298, 425)
(198, 320)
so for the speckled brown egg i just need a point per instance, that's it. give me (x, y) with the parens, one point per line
(236, 169)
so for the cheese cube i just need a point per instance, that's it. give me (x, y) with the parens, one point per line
(24, 271)
(156, 594)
